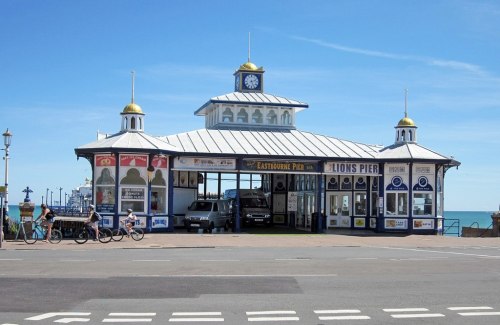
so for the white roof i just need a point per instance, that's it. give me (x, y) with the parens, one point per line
(252, 98)
(286, 143)
(406, 151)
(129, 140)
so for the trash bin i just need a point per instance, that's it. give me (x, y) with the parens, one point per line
(314, 222)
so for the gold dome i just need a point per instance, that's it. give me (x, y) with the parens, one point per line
(249, 66)
(132, 108)
(406, 121)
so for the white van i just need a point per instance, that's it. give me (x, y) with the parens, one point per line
(207, 215)
(254, 208)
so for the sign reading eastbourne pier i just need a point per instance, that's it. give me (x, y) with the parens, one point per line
(351, 168)
(280, 166)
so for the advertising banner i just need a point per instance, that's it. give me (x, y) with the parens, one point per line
(202, 164)
(279, 166)
(396, 224)
(132, 160)
(351, 168)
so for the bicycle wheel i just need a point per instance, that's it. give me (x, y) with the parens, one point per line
(118, 234)
(82, 236)
(55, 236)
(105, 235)
(137, 234)
(30, 237)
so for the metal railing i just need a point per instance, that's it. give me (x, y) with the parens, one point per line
(453, 228)
(486, 230)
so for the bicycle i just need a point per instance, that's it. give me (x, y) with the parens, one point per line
(83, 235)
(39, 231)
(136, 233)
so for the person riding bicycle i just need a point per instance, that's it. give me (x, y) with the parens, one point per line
(130, 221)
(93, 221)
(47, 217)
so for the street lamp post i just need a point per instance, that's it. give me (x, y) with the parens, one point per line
(46, 197)
(60, 201)
(51, 202)
(7, 138)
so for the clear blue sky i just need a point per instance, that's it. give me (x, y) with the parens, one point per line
(65, 73)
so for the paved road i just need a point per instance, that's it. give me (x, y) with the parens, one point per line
(324, 280)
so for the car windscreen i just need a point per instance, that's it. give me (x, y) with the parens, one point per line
(253, 203)
(201, 206)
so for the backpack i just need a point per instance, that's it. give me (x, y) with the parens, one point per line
(51, 214)
(96, 217)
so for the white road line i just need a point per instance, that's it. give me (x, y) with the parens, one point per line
(198, 313)
(272, 319)
(338, 311)
(77, 261)
(71, 320)
(49, 315)
(437, 252)
(470, 308)
(350, 317)
(271, 312)
(151, 261)
(127, 320)
(132, 314)
(292, 259)
(11, 259)
(484, 313)
(196, 320)
(220, 260)
(416, 315)
(402, 310)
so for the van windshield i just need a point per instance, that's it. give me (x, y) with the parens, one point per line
(253, 203)
(200, 206)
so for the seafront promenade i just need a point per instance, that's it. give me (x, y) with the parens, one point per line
(184, 240)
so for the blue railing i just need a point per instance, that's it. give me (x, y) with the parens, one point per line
(451, 227)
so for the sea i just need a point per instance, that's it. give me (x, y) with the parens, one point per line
(480, 219)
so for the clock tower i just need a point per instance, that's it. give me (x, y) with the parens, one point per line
(249, 78)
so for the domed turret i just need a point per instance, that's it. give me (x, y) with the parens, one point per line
(132, 115)
(406, 130)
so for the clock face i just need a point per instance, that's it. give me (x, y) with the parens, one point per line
(251, 81)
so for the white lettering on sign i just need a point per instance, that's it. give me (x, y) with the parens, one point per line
(397, 169)
(351, 168)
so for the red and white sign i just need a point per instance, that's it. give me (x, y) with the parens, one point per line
(105, 160)
(134, 160)
(159, 162)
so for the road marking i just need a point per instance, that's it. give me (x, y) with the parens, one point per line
(127, 320)
(77, 261)
(196, 320)
(338, 311)
(342, 317)
(292, 259)
(11, 259)
(151, 261)
(416, 315)
(402, 310)
(362, 258)
(49, 315)
(132, 314)
(272, 319)
(470, 308)
(243, 275)
(437, 252)
(484, 313)
(220, 260)
(71, 320)
(208, 313)
(271, 312)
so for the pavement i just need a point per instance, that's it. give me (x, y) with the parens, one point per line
(335, 238)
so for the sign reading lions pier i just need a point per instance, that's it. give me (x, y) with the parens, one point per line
(280, 166)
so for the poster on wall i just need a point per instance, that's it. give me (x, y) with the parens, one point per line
(423, 224)
(159, 222)
(159, 162)
(359, 222)
(396, 224)
(105, 168)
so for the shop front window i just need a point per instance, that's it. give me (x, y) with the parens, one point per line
(158, 193)
(397, 204)
(422, 204)
(360, 204)
(133, 191)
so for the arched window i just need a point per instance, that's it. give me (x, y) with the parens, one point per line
(228, 115)
(257, 116)
(140, 123)
(242, 116)
(125, 123)
(271, 117)
(132, 123)
(411, 135)
(403, 135)
(286, 118)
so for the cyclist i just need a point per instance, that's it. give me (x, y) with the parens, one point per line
(47, 217)
(130, 221)
(93, 221)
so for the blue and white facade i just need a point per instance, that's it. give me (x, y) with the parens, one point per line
(250, 141)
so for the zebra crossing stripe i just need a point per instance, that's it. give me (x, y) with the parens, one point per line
(197, 319)
(269, 318)
(341, 317)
